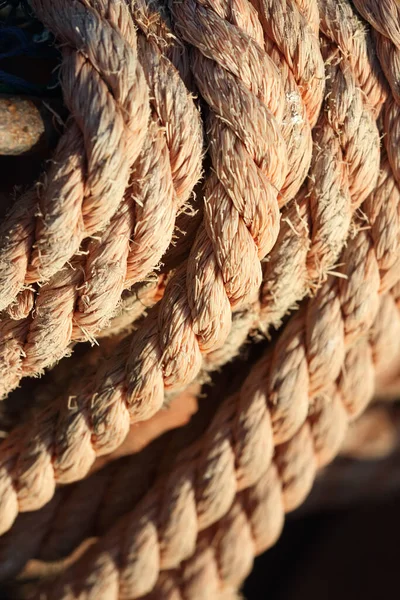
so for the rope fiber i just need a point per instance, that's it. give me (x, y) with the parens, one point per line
(221, 212)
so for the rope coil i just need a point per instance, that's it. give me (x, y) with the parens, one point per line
(290, 109)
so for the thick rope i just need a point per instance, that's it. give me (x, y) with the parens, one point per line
(343, 172)
(351, 169)
(293, 129)
(384, 17)
(168, 352)
(200, 271)
(288, 273)
(90, 507)
(87, 509)
(325, 239)
(60, 446)
(106, 93)
(300, 63)
(80, 299)
(210, 478)
(106, 440)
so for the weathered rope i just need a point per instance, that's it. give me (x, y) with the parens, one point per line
(102, 498)
(303, 366)
(181, 377)
(199, 271)
(343, 171)
(90, 507)
(353, 134)
(167, 352)
(80, 299)
(301, 66)
(30, 364)
(197, 531)
(384, 18)
(278, 275)
(106, 93)
(215, 476)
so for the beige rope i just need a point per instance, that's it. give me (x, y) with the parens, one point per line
(107, 95)
(384, 17)
(343, 171)
(81, 298)
(203, 490)
(103, 413)
(196, 532)
(304, 366)
(325, 237)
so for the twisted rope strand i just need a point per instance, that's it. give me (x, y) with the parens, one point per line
(161, 183)
(299, 103)
(167, 353)
(85, 509)
(300, 50)
(173, 324)
(339, 22)
(107, 95)
(384, 17)
(57, 199)
(64, 440)
(339, 180)
(100, 421)
(343, 172)
(354, 385)
(209, 480)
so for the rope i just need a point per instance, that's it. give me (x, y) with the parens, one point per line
(107, 95)
(34, 353)
(147, 381)
(215, 494)
(64, 439)
(90, 507)
(385, 20)
(131, 387)
(343, 171)
(80, 299)
(273, 113)
(286, 279)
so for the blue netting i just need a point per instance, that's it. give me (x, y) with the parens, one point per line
(22, 35)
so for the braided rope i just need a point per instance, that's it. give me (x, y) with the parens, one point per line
(91, 506)
(343, 171)
(80, 299)
(262, 145)
(60, 445)
(384, 17)
(325, 237)
(107, 95)
(197, 531)
(103, 413)
(31, 359)
(200, 498)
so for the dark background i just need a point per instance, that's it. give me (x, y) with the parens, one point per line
(348, 554)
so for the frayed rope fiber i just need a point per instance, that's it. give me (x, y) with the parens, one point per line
(229, 168)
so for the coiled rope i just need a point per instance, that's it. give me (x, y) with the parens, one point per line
(300, 202)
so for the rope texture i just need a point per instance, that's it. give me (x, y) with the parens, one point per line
(105, 90)
(291, 271)
(273, 113)
(233, 495)
(60, 446)
(80, 299)
(131, 386)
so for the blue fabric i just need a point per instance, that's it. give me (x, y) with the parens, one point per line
(33, 40)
